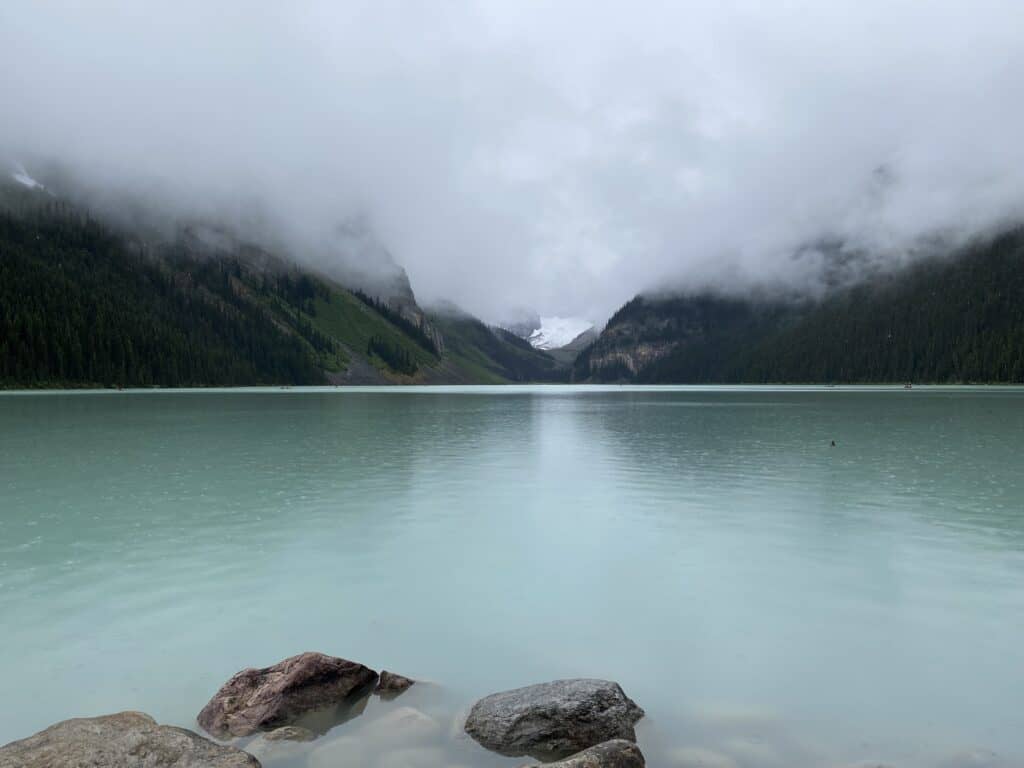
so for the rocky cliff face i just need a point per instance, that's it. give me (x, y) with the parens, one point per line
(633, 357)
(362, 264)
(699, 333)
(953, 317)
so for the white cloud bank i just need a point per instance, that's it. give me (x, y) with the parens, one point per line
(560, 156)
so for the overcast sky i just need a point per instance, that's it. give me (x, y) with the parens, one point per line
(557, 155)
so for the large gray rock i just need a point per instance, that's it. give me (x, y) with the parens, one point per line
(553, 720)
(617, 753)
(124, 740)
(265, 699)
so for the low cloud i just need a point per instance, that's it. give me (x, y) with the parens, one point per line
(557, 156)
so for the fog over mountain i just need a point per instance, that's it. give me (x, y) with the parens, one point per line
(556, 156)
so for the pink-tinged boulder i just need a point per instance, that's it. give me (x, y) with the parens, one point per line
(257, 700)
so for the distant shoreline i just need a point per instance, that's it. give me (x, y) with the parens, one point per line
(605, 387)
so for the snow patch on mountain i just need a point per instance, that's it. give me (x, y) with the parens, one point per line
(21, 176)
(556, 332)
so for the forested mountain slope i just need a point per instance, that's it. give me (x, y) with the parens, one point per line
(77, 308)
(82, 304)
(483, 354)
(956, 318)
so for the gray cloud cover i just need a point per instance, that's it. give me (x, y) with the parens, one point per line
(556, 155)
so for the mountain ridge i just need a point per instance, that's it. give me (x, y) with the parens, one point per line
(86, 304)
(956, 317)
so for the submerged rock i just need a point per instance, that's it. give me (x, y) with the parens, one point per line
(390, 685)
(617, 753)
(457, 727)
(266, 699)
(399, 727)
(699, 757)
(290, 733)
(341, 751)
(553, 720)
(283, 745)
(122, 740)
(420, 757)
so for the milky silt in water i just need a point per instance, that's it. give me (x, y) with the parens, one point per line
(767, 597)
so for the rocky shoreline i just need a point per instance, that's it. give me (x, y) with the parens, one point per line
(580, 723)
(280, 716)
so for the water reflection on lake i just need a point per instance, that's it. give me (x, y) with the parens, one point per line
(767, 598)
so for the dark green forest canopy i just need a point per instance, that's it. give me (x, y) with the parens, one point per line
(952, 319)
(81, 305)
(78, 307)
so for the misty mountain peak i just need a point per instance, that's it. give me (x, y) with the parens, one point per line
(557, 332)
(21, 176)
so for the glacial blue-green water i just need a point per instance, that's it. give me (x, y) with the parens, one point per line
(769, 599)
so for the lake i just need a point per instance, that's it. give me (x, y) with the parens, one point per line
(767, 598)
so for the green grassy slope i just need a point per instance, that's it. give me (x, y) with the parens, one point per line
(351, 322)
(84, 305)
(489, 355)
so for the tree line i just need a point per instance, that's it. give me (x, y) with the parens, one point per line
(416, 331)
(394, 355)
(958, 318)
(80, 305)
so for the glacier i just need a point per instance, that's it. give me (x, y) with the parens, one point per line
(556, 332)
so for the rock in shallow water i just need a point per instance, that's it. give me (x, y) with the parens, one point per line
(290, 733)
(284, 746)
(617, 753)
(553, 720)
(421, 757)
(123, 740)
(401, 726)
(698, 757)
(390, 685)
(266, 699)
(334, 753)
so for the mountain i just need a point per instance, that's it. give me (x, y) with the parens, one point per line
(521, 322)
(567, 353)
(958, 317)
(557, 332)
(475, 352)
(549, 333)
(20, 176)
(369, 267)
(87, 303)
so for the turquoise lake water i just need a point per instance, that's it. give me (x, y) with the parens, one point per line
(770, 600)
